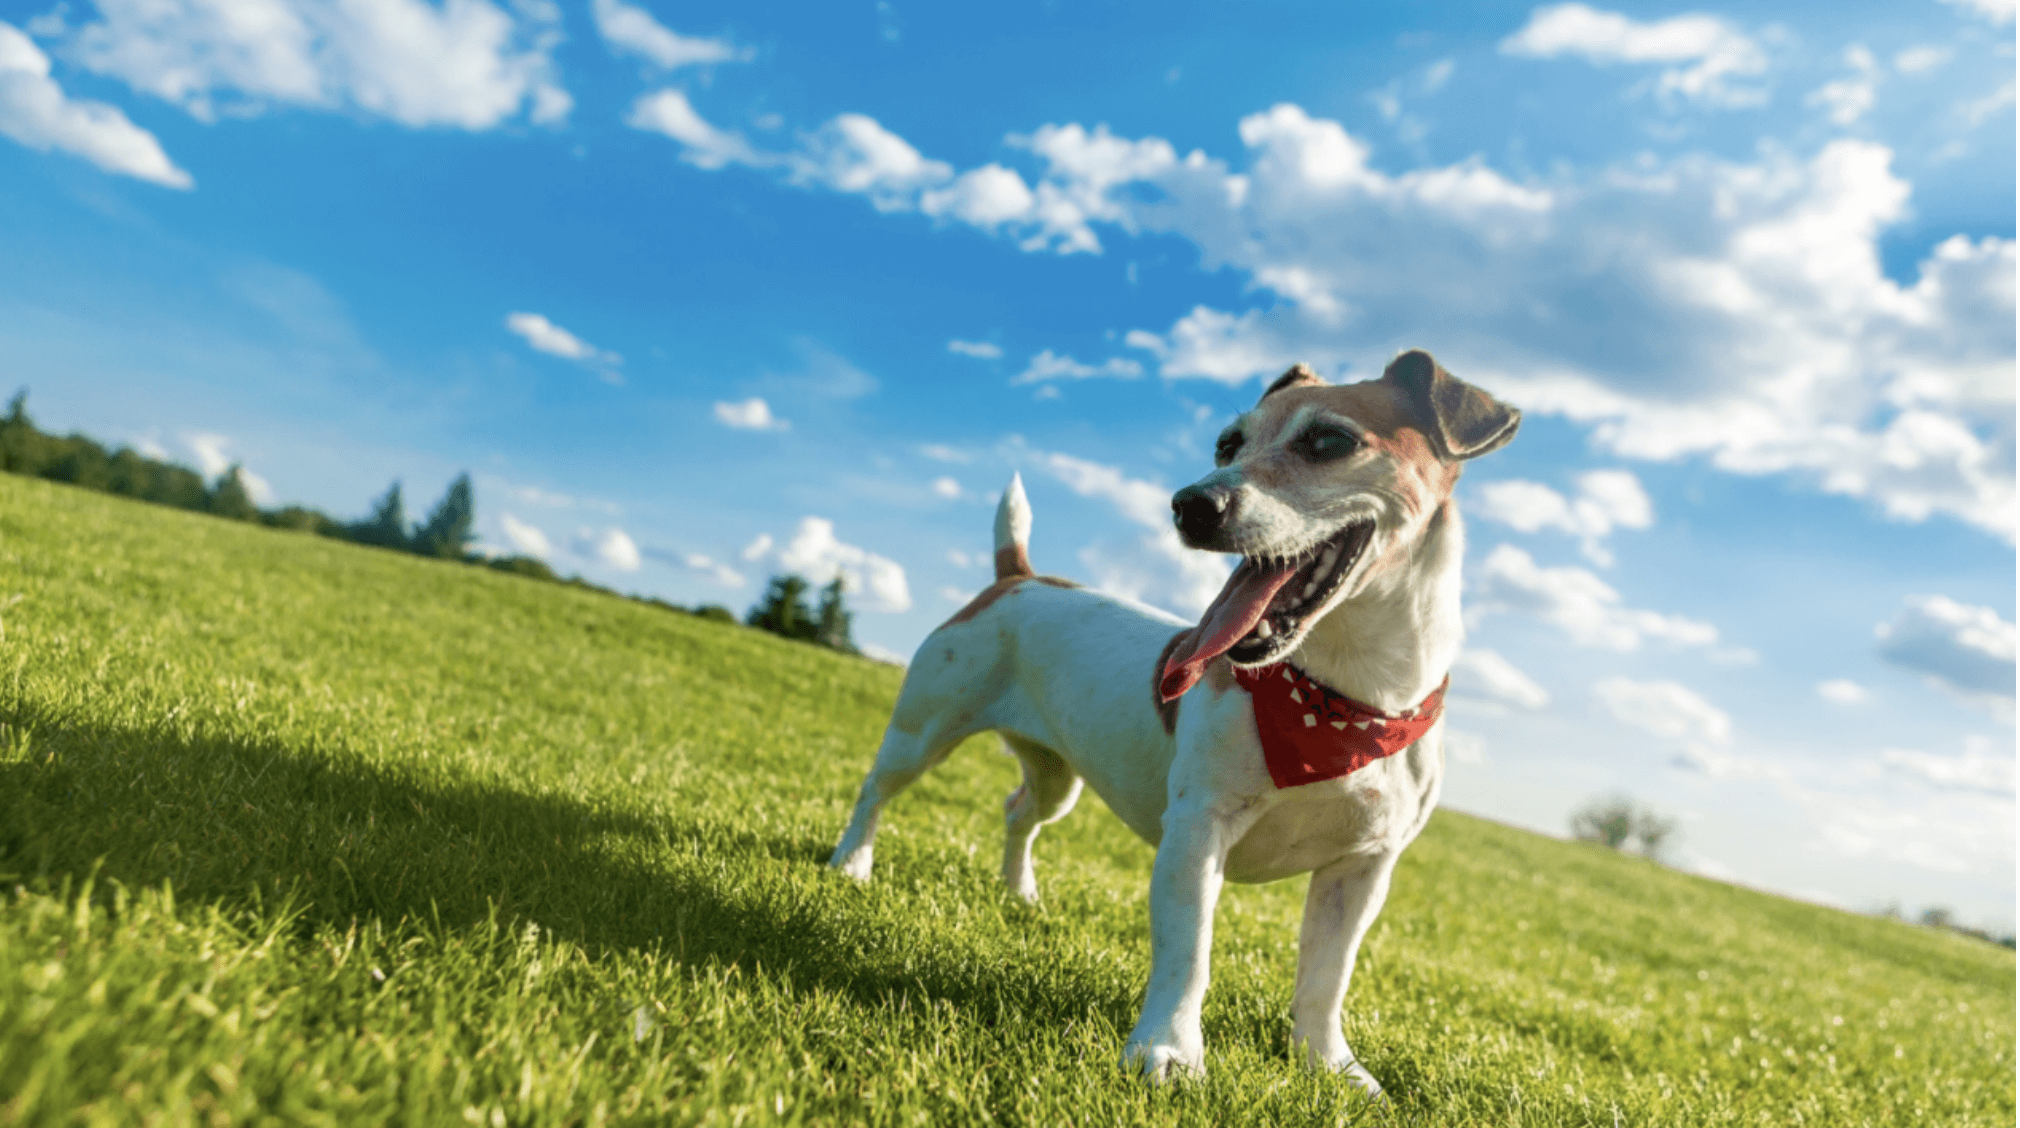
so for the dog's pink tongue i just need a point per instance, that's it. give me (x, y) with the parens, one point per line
(1235, 612)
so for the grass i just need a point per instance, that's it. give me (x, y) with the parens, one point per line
(297, 831)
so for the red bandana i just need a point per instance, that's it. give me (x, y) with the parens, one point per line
(1310, 733)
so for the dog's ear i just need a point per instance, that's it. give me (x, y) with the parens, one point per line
(1299, 376)
(1466, 422)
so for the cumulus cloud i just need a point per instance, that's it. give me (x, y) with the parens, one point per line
(613, 547)
(1847, 99)
(753, 414)
(1485, 674)
(816, 553)
(1979, 769)
(1155, 568)
(669, 113)
(1965, 648)
(709, 567)
(1606, 500)
(941, 452)
(1841, 691)
(35, 112)
(946, 487)
(1664, 708)
(527, 539)
(1576, 602)
(543, 335)
(466, 64)
(1049, 366)
(212, 457)
(854, 153)
(1703, 52)
(980, 350)
(1998, 12)
(632, 31)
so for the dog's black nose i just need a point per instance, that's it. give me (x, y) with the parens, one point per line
(1199, 512)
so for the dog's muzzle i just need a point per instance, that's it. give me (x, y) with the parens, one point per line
(1201, 513)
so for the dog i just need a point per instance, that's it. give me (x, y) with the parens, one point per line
(1296, 728)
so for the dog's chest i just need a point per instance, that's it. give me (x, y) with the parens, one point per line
(1375, 810)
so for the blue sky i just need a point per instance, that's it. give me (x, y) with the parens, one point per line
(699, 293)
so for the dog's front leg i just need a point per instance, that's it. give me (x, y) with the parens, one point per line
(1184, 889)
(1340, 905)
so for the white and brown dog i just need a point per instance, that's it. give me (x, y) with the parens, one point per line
(1298, 728)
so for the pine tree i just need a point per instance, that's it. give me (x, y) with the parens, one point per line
(783, 610)
(387, 526)
(448, 531)
(229, 497)
(832, 622)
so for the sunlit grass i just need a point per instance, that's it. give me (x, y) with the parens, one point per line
(292, 829)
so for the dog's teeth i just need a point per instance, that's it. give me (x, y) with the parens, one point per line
(1263, 629)
(1326, 557)
(1311, 587)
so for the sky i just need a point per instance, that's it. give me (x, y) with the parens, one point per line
(702, 293)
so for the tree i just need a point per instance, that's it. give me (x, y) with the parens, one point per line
(1616, 821)
(448, 530)
(831, 628)
(783, 610)
(23, 448)
(387, 526)
(229, 498)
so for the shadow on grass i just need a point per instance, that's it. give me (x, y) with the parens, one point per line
(238, 823)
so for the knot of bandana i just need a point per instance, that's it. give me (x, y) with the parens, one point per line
(1310, 733)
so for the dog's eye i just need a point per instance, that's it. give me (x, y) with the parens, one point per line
(1225, 450)
(1324, 444)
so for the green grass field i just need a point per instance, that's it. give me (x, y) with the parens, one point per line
(297, 831)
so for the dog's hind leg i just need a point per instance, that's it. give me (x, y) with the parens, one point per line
(901, 759)
(1340, 904)
(1048, 792)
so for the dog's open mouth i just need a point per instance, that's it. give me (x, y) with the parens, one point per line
(1266, 607)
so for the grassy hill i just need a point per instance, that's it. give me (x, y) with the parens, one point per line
(296, 830)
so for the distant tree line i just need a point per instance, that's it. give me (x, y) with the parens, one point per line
(447, 533)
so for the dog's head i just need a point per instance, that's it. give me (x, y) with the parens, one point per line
(1318, 487)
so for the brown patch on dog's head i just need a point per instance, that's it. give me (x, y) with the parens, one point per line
(1297, 376)
(1465, 421)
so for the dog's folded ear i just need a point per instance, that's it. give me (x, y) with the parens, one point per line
(1297, 376)
(1466, 422)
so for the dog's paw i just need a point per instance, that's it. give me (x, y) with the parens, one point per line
(855, 864)
(1160, 1063)
(1337, 1058)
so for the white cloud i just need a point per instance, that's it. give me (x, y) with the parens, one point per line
(1607, 500)
(753, 414)
(1715, 50)
(1156, 568)
(668, 112)
(1048, 366)
(1436, 75)
(815, 553)
(35, 112)
(986, 197)
(947, 487)
(632, 31)
(720, 573)
(543, 335)
(1484, 673)
(526, 538)
(212, 460)
(1966, 648)
(1465, 747)
(1664, 708)
(464, 63)
(980, 350)
(1921, 59)
(941, 452)
(1848, 99)
(1994, 11)
(1726, 765)
(853, 153)
(613, 546)
(1576, 602)
(1980, 768)
(955, 595)
(1841, 691)
(1748, 318)
(756, 549)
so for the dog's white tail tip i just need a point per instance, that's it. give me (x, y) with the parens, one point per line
(1013, 531)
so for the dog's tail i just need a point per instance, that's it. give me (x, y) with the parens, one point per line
(1013, 532)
